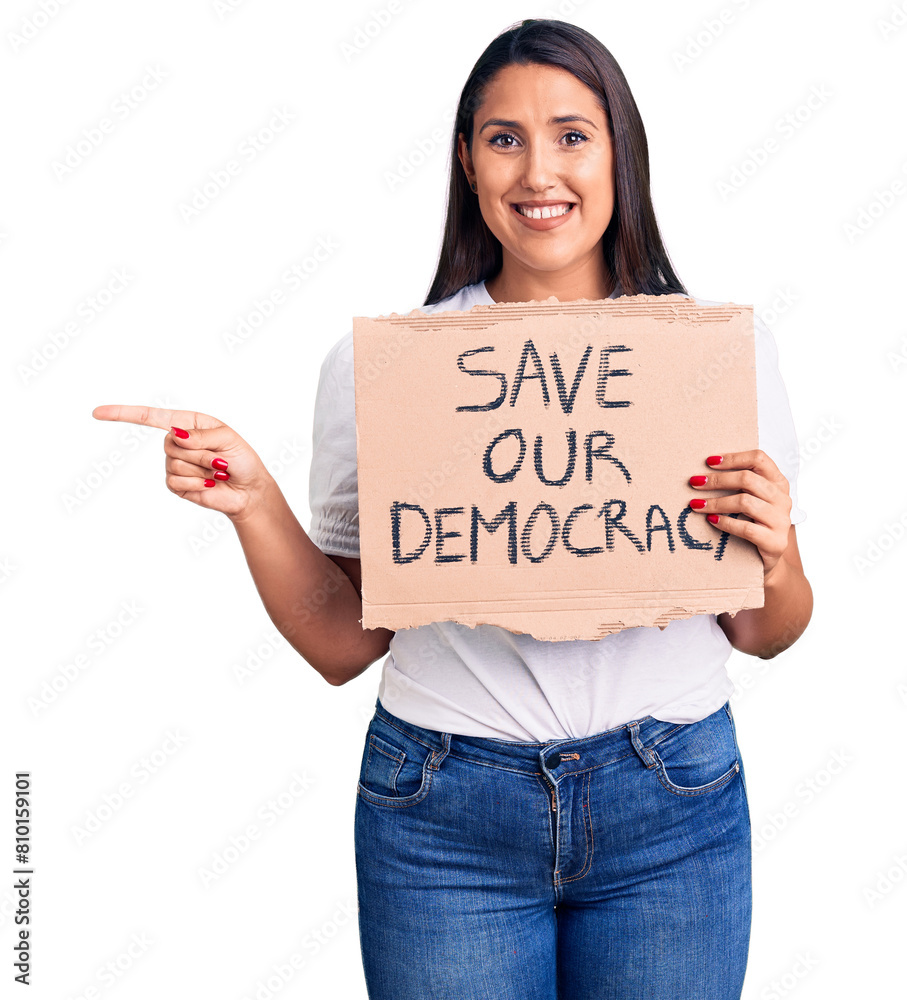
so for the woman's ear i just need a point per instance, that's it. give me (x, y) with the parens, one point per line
(464, 157)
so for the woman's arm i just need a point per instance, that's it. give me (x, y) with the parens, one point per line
(314, 602)
(769, 630)
(313, 599)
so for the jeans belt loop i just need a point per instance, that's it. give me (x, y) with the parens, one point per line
(645, 755)
(438, 755)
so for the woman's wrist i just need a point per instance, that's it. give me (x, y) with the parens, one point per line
(262, 501)
(778, 577)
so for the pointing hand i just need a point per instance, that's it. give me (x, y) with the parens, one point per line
(207, 462)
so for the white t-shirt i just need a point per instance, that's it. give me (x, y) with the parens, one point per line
(487, 681)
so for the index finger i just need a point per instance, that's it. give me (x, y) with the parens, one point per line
(152, 416)
(756, 460)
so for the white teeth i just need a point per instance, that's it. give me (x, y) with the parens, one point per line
(544, 213)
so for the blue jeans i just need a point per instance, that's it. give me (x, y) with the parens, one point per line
(611, 867)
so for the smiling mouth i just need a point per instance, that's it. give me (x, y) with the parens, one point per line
(546, 211)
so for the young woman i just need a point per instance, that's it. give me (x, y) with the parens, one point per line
(534, 820)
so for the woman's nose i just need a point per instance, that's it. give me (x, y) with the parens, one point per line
(539, 167)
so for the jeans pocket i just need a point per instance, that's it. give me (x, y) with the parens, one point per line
(698, 757)
(394, 770)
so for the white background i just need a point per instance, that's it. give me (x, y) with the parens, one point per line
(779, 241)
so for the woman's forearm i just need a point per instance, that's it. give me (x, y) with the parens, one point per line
(783, 618)
(309, 598)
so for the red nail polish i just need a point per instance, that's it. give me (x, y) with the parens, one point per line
(713, 460)
(209, 482)
(179, 432)
(218, 463)
(222, 476)
(713, 518)
(697, 504)
(697, 480)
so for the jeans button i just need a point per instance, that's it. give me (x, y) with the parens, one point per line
(554, 760)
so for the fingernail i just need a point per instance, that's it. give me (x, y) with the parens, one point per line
(713, 518)
(209, 482)
(222, 476)
(697, 480)
(713, 460)
(697, 504)
(218, 463)
(179, 432)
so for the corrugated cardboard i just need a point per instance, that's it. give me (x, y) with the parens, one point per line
(442, 417)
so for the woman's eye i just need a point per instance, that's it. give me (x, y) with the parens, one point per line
(493, 141)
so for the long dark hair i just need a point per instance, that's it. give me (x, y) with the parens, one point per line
(634, 252)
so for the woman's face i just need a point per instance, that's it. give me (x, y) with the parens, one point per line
(540, 137)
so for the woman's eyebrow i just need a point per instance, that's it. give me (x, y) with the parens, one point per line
(560, 120)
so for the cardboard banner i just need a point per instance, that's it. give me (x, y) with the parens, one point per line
(527, 464)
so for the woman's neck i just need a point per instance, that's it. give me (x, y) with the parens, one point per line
(568, 288)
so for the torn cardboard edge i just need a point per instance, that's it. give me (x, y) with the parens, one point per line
(547, 624)
(550, 616)
(675, 306)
